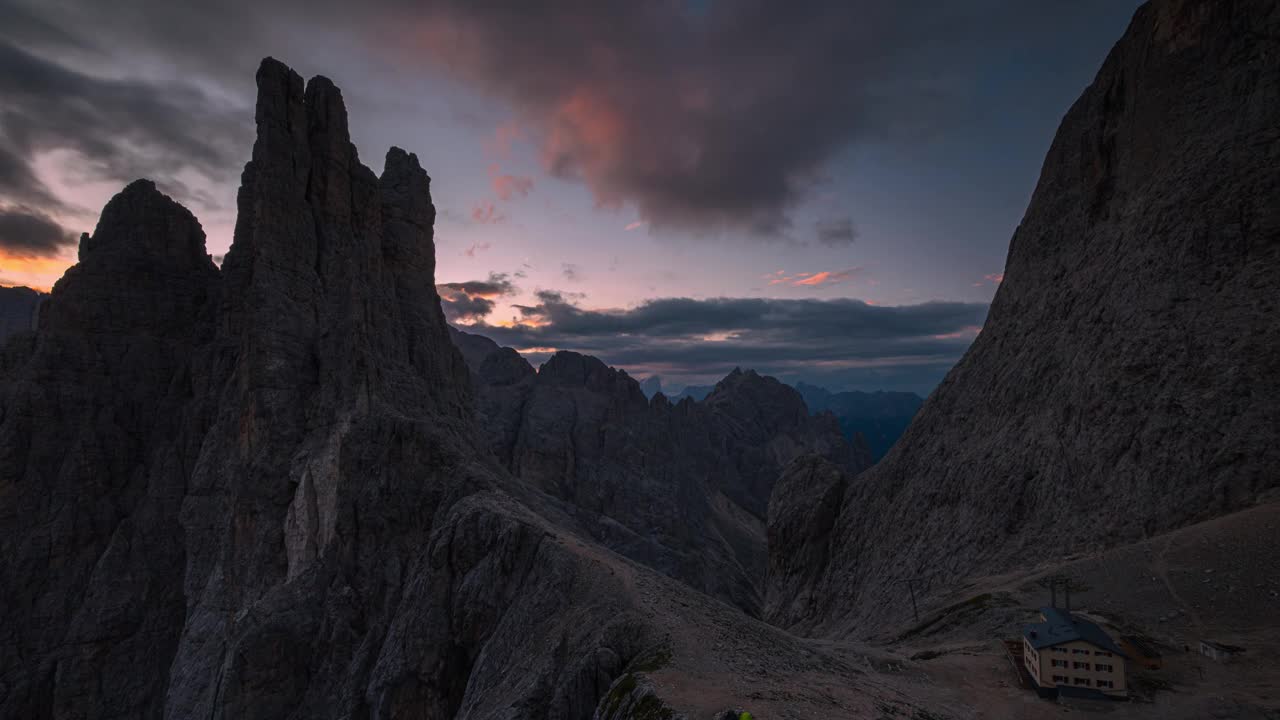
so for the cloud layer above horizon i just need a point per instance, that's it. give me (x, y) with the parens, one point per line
(841, 343)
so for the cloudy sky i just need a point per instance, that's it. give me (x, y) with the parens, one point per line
(820, 190)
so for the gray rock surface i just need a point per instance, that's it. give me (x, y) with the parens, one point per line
(803, 509)
(1125, 381)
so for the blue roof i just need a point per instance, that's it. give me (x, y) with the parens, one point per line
(1060, 627)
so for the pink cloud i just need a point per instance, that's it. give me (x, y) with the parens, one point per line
(995, 278)
(821, 278)
(476, 248)
(634, 226)
(964, 333)
(806, 279)
(486, 213)
(509, 186)
(504, 136)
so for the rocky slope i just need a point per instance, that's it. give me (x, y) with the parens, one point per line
(879, 417)
(1124, 382)
(682, 488)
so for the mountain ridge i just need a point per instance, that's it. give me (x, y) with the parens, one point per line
(681, 487)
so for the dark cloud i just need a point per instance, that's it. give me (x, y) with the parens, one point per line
(466, 308)
(25, 232)
(724, 116)
(474, 300)
(833, 341)
(836, 232)
(125, 129)
(571, 272)
(17, 181)
(119, 129)
(497, 285)
(712, 120)
(547, 298)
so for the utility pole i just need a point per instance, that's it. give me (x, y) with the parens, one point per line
(911, 588)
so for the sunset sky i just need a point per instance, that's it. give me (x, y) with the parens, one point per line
(820, 190)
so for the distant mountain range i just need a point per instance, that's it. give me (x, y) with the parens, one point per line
(652, 385)
(693, 392)
(19, 307)
(880, 417)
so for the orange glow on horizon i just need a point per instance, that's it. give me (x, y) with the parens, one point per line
(37, 273)
(526, 323)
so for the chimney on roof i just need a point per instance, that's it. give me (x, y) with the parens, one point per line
(1053, 592)
(1066, 588)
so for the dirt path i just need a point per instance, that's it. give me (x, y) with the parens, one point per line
(1161, 568)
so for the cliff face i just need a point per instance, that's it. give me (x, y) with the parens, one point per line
(1123, 382)
(682, 488)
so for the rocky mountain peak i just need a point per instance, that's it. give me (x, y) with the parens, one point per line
(127, 228)
(144, 269)
(571, 368)
(651, 385)
(749, 397)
